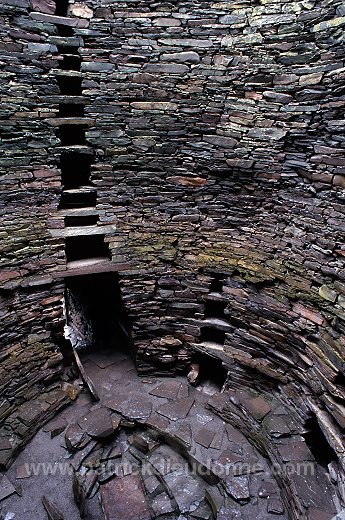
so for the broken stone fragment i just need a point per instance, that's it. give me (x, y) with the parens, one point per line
(52, 511)
(238, 488)
(75, 437)
(194, 374)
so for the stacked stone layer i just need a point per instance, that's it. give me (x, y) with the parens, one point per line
(218, 160)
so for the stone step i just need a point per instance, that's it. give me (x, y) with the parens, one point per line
(82, 231)
(73, 148)
(70, 121)
(58, 20)
(78, 212)
(66, 41)
(66, 73)
(65, 100)
(215, 323)
(208, 346)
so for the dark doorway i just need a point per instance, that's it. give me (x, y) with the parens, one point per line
(95, 313)
(85, 247)
(317, 442)
(211, 371)
(212, 335)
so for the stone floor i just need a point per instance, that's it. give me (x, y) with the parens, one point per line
(148, 449)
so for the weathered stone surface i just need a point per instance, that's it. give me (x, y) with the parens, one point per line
(238, 488)
(124, 499)
(176, 409)
(98, 423)
(6, 487)
(217, 171)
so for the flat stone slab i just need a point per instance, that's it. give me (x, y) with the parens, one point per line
(75, 437)
(294, 450)
(168, 389)
(238, 488)
(6, 487)
(136, 408)
(187, 490)
(204, 437)
(176, 410)
(234, 435)
(182, 432)
(275, 506)
(5, 444)
(229, 457)
(162, 505)
(158, 422)
(98, 423)
(23, 471)
(258, 407)
(106, 360)
(123, 498)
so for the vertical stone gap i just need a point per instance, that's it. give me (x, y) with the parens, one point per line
(95, 313)
(316, 441)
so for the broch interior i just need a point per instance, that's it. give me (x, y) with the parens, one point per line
(172, 213)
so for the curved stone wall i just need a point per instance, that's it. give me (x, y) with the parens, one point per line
(215, 131)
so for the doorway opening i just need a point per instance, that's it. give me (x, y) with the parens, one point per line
(85, 247)
(210, 374)
(212, 335)
(317, 442)
(96, 318)
(214, 308)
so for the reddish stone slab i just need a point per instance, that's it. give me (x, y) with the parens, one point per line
(124, 499)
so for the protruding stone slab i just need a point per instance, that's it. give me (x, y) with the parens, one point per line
(98, 423)
(124, 499)
(238, 488)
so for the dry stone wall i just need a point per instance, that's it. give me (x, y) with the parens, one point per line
(215, 130)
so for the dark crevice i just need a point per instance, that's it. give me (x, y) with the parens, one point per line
(210, 369)
(71, 110)
(69, 49)
(214, 309)
(96, 302)
(75, 170)
(64, 30)
(317, 442)
(82, 220)
(84, 247)
(216, 285)
(70, 61)
(78, 200)
(339, 381)
(70, 85)
(61, 7)
(213, 335)
(71, 134)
